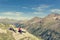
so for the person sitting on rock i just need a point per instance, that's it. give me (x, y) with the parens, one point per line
(20, 30)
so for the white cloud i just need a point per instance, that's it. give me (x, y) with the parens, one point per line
(41, 11)
(7, 13)
(38, 13)
(55, 10)
(41, 7)
(17, 18)
(25, 7)
(13, 15)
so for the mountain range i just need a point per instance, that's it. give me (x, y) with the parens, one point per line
(47, 28)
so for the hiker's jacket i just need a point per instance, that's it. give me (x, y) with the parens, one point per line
(19, 29)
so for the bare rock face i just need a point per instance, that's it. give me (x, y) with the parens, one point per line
(48, 27)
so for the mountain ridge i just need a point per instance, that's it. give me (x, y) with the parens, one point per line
(49, 25)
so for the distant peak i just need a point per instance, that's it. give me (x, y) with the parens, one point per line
(36, 18)
(54, 14)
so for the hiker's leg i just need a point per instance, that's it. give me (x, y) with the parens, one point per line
(23, 31)
(14, 30)
(20, 31)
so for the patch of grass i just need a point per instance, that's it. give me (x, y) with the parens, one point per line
(8, 36)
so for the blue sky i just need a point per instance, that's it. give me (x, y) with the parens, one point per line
(26, 9)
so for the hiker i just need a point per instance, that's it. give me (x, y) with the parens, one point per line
(12, 29)
(20, 30)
